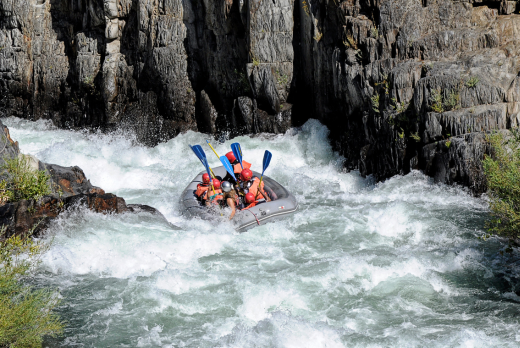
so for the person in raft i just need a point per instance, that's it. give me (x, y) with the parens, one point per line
(250, 184)
(213, 195)
(229, 198)
(237, 168)
(202, 188)
(250, 201)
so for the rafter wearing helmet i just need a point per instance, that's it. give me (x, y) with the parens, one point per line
(203, 187)
(213, 196)
(237, 168)
(229, 198)
(250, 184)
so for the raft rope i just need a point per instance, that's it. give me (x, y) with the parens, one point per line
(254, 216)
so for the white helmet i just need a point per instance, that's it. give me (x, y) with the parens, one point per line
(226, 186)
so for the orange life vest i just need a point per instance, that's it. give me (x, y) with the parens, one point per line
(201, 190)
(251, 205)
(213, 197)
(254, 188)
(238, 169)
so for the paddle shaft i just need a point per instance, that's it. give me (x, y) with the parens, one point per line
(215, 152)
(212, 174)
(260, 188)
(267, 160)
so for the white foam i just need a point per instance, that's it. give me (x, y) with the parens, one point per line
(259, 301)
(108, 248)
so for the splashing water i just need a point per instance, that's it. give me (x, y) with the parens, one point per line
(395, 264)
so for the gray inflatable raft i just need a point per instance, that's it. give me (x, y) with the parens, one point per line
(284, 205)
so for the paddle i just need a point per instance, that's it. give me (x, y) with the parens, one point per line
(267, 159)
(228, 166)
(237, 151)
(199, 152)
(215, 152)
(225, 162)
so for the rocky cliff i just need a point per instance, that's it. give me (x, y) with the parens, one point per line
(402, 84)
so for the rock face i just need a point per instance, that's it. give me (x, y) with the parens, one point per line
(402, 84)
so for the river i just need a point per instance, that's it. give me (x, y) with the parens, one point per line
(361, 264)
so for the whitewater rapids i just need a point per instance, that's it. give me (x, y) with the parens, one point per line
(395, 264)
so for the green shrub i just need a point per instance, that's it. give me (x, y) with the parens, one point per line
(436, 100)
(4, 193)
(399, 107)
(89, 85)
(282, 79)
(452, 101)
(472, 82)
(502, 170)
(22, 181)
(448, 102)
(26, 314)
(415, 136)
(375, 103)
(375, 32)
(384, 82)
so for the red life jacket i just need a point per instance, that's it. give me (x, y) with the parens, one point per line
(201, 190)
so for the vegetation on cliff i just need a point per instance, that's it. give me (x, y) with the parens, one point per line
(502, 169)
(21, 181)
(26, 313)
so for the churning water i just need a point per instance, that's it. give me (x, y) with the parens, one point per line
(395, 264)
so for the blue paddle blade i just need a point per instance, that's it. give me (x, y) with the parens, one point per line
(228, 166)
(237, 151)
(195, 152)
(205, 162)
(267, 159)
(199, 152)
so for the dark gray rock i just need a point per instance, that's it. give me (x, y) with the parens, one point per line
(143, 208)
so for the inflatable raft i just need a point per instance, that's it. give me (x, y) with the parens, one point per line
(284, 204)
